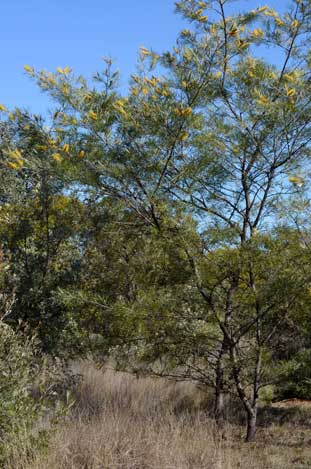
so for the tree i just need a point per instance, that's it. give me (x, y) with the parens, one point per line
(39, 225)
(220, 134)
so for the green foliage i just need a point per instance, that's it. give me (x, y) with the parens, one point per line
(170, 227)
(21, 373)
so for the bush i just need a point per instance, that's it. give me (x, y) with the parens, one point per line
(28, 390)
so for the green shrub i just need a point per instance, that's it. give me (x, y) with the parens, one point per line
(29, 390)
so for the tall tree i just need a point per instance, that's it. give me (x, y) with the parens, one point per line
(218, 133)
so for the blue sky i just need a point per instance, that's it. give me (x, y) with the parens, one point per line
(48, 34)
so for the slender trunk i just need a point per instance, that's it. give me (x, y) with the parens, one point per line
(250, 406)
(251, 425)
(219, 408)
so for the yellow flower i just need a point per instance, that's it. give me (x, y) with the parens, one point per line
(119, 103)
(290, 92)
(184, 136)
(135, 91)
(81, 154)
(263, 100)
(2, 108)
(203, 18)
(57, 157)
(295, 24)
(187, 111)
(51, 80)
(234, 31)
(271, 12)
(298, 181)
(144, 91)
(145, 51)
(150, 81)
(279, 22)
(93, 115)
(16, 154)
(297, 74)
(66, 148)
(183, 112)
(28, 69)
(13, 165)
(258, 32)
(64, 71)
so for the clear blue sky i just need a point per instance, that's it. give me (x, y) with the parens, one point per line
(47, 34)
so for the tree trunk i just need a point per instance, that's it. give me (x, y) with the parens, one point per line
(219, 408)
(249, 406)
(251, 426)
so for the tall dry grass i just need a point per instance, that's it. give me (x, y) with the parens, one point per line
(120, 422)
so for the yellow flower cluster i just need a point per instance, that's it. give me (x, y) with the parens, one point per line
(290, 92)
(297, 180)
(293, 77)
(271, 12)
(17, 157)
(262, 9)
(63, 71)
(263, 100)
(184, 136)
(295, 24)
(183, 112)
(119, 106)
(279, 22)
(234, 31)
(144, 51)
(258, 32)
(92, 115)
(29, 69)
(57, 157)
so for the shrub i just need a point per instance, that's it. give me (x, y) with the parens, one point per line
(29, 395)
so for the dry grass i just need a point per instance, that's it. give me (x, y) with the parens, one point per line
(120, 422)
